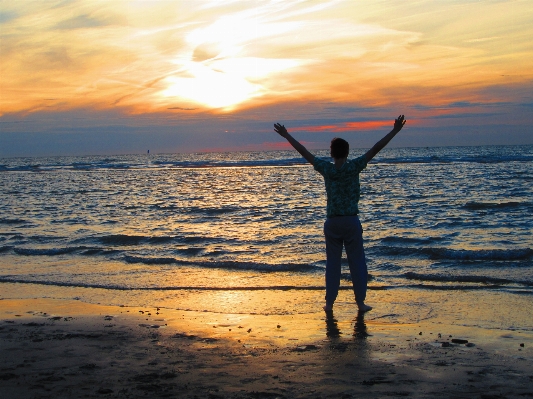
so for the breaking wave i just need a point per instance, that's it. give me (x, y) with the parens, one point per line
(478, 206)
(464, 279)
(229, 265)
(436, 253)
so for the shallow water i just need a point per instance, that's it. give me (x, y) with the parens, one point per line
(145, 227)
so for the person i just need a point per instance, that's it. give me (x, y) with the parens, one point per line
(342, 227)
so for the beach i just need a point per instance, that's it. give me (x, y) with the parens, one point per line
(66, 348)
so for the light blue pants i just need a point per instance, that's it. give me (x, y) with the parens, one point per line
(345, 231)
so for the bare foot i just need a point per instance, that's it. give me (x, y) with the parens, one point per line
(363, 308)
(327, 307)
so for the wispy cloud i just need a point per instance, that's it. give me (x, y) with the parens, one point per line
(303, 59)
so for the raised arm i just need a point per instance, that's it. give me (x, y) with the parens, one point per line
(280, 129)
(398, 124)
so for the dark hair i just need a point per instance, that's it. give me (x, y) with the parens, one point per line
(339, 148)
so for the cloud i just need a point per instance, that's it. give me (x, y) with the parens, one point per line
(81, 22)
(7, 16)
(328, 66)
(253, 48)
(462, 105)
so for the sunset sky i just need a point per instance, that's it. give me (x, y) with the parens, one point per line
(113, 76)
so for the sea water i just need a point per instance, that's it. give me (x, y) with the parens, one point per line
(196, 231)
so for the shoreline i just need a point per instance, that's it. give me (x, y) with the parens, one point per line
(68, 348)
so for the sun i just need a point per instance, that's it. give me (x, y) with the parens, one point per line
(220, 68)
(212, 88)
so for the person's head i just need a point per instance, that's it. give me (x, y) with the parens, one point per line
(339, 148)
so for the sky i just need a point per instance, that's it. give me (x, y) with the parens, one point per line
(88, 77)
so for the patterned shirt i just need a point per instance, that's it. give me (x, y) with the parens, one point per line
(342, 185)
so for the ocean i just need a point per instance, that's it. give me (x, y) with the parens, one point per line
(198, 231)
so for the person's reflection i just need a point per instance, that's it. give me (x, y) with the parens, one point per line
(359, 331)
(332, 329)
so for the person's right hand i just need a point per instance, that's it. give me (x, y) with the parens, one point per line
(398, 123)
(280, 129)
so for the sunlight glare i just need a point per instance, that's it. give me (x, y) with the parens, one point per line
(218, 71)
(212, 88)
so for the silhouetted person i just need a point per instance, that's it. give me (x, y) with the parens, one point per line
(342, 227)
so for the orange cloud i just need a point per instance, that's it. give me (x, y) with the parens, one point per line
(345, 127)
(211, 57)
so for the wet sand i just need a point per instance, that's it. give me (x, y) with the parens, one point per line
(70, 349)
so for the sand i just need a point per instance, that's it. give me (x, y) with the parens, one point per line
(70, 349)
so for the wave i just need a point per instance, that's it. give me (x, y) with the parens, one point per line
(412, 240)
(136, 163)
(435, 155)
(433, 253)
(230, 265)
(121, 239)
(197, 210)
(478, 206)
(17, 280)
(105, 164)
(43, 238)
(133, 240)
(463, 288)
(12, 221)
(96, 165)
(231, 164)
(98, 251)
(436, 253)
(191, 251)
(444, 159)
(21, 168)
(60, 251)
(151, 261)
(5, 248)
(161, 239)
(11, 279)
(45, 251)
(213, 211)
(447, 278)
